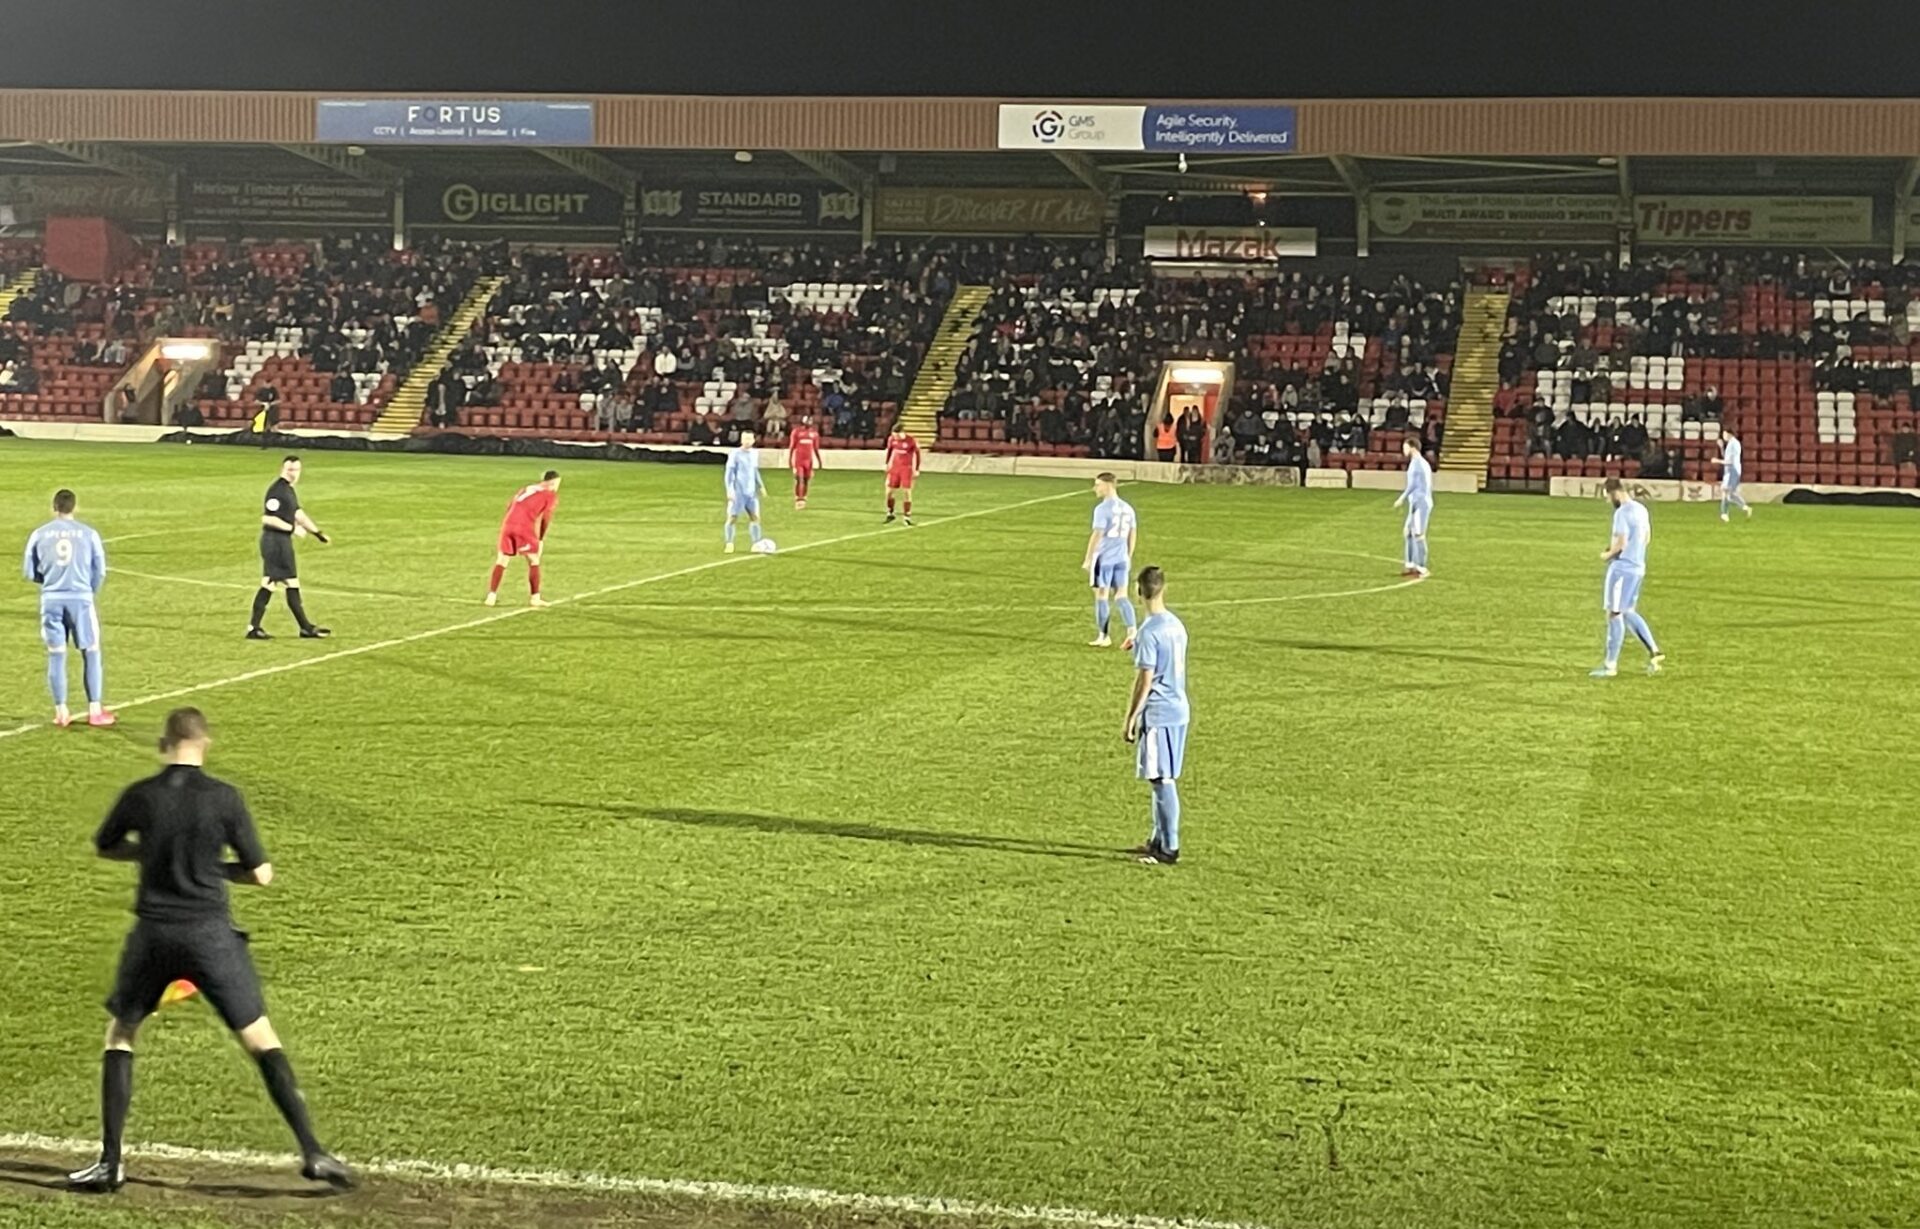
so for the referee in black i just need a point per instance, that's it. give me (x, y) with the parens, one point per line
(177, 826)
(281, 521)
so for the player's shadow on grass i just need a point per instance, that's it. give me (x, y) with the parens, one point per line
(48, 1176)
(786, 825)
(1387, 650)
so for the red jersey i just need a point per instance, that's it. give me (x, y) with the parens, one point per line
(804, 448)
(903, 454)
(531, 510)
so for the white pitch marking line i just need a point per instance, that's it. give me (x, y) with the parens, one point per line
(161, 697)
(129, 537)
(686, 1188)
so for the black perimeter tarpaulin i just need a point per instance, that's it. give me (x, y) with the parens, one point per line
(458, 445)
(1869, 499)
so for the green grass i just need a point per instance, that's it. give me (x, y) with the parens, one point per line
(794, 870)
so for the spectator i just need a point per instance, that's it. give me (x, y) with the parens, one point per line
(740, 411)
(341, 389)
(187, 414)
(1193, 437)
(775, 417)
(114, 353)
(1223, 448)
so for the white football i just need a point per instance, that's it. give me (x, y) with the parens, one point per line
(764, 546)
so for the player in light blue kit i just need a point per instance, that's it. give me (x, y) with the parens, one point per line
(1626, 572)
(1418, 497)
(1157, 715)
(744, 488)
(69, 563)
(1731, 464)
(1109, 556)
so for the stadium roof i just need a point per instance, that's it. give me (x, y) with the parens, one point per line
(980, 48)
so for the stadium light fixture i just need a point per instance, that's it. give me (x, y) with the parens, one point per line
(185, 351)
(1196, 375)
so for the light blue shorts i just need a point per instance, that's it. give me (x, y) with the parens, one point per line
(742, 505)
(1622, 591)
(1417, 517)
(69, 618)
(1110, 574)
(1162, 750)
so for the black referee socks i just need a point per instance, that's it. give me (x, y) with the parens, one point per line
(116, 1095)
(285, 1091)
(260, 603)
(299, 609)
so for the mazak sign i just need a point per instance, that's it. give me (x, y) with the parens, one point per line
(1240, 244)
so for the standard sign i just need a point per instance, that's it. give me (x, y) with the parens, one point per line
(1230, 243)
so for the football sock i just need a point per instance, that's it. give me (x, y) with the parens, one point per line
(116, 1095)
(57, 676)
(298, 606)
(1126, 613)
(493, 582)
(533, 579)
(95, 675)
(1643, 633)
(1412, 560)
(1723, 505)
(285, 1091)
(889, 505)
(1166, 813)
(1420, 552)
(1616, 636)
(729, 533)
(753, 530)
(906, 508)
(260, 602)
(1100, 614)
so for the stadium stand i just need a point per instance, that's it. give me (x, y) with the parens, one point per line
(1635, 372)
(1066, 363)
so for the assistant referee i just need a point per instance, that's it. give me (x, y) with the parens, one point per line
(281, 521)
(177, 825)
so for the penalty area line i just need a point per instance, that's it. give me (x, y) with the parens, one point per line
(499, 616)
(748, 1193)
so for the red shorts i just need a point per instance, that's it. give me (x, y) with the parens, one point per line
(899, 478)
(803, 472)
(514, 541)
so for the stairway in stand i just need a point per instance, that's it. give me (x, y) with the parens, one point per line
(408, 405)
(921, 413)
(1468, 443)
(22, 283)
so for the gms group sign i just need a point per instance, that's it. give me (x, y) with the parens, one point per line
(1164, 127)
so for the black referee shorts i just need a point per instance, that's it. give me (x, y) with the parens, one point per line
(211, 954)
(276, 557)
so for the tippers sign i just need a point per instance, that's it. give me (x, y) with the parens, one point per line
(1229, 243)
(1753, 219)
(1185, 129)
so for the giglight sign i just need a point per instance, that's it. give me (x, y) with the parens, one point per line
(1159, 127)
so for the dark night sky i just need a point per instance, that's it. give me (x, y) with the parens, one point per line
(1173, 48)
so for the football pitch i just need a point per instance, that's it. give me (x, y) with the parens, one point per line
(803, 870)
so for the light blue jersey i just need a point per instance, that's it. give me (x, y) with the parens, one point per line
(66, 559)
(1419, 492)
(743, 482)
(1630, 521)
(1161, 648)
(1115, 521)
(1731, 458)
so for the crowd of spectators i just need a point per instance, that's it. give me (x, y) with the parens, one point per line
(1072, 356)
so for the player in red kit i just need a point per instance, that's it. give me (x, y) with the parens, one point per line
(903, 462)
(523, 530)
(803, 454)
